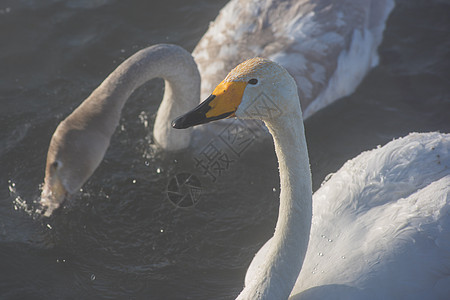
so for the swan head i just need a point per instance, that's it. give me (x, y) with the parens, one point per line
(256, 89)
(54, 192)
(73, 155)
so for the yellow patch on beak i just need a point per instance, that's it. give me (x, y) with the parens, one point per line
(222, 103)
(228, 96)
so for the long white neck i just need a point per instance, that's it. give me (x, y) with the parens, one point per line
(182, 91)
(288, 246)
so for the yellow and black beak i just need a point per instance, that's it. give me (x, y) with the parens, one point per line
(223, 103)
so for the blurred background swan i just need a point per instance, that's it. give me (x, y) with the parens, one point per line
(327, 46)
(122, 237)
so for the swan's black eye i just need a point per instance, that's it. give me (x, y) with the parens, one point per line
(55, 164)
(253, 81)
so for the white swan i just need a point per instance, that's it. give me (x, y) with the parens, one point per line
(381, 225)
(315, 40)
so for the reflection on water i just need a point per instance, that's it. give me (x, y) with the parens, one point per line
(122, 236)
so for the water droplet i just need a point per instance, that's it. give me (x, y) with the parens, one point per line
(320, 254)
(330, 240)
(274, 190)
(49, 226)
(158, 170)
(122, 50)
(147, 163)
(323, 236)
(343, 257)
(162, 230)
(11, 186)
(175, 161)
(134, 181)
(93, 277)
(5, 11)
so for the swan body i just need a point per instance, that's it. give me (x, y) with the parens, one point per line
(327, 46)
(381, 224)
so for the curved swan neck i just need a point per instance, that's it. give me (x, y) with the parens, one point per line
(172, 63)
(289, 243)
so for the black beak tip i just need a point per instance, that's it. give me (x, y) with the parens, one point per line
(178, 123)
(196, 116)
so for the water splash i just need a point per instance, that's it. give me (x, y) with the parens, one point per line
(143, 118)
(32, 208)
(19, 203)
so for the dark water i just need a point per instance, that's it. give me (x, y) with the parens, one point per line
(122, 237)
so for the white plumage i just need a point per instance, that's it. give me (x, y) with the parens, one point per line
(381, 225)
